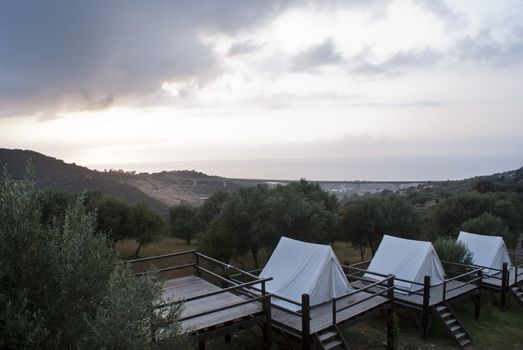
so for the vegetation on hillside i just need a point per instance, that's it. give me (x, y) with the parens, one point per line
(62, 285)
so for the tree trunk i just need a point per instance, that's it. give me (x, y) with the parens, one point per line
(254, 253)
(362, 252)
(138, 249)
(188, 239)
(371, 247)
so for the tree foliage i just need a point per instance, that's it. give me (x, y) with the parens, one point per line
(496, 211)
(366, 221)
(183, 222)
(62, 286)
(255, 218)
(451, 250)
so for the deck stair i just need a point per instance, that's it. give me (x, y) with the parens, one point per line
(330, 339)
(517, 291)
(453, 325)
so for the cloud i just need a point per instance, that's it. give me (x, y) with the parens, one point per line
(439, 8)
(76, 55)
(395, 64)
(243, 48)
(484, 48)
(317, 56)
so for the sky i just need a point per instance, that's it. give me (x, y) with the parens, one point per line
(152, 85)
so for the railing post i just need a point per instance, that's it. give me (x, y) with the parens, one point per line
(477, 308)
(391, 318)
(504, 285)
(267, 326)
(197, 258)
(334, 311)
(305, 322)
(226, 276)
(444, 290)
(425, 313)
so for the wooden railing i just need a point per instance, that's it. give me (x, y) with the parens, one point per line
(229, 285)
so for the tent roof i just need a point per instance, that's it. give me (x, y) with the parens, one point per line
(407, 259)
(489, 251)
(304, 268)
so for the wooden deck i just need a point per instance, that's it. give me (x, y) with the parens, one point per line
(191, 286)
(321, 315)
(454, 290)
(494, 281)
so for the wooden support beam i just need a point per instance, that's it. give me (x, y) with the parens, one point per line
(504, 286)
(267, 326)
(425, 312)
(477, 306)
(305, 322)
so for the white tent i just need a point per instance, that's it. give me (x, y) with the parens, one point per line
(406, 259)
(489, 251)
(304, 268)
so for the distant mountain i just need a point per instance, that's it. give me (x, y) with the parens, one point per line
(55, 173)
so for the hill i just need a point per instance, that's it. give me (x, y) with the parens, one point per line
(160, 190)
(55, 173)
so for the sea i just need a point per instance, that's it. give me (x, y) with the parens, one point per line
(436, 168)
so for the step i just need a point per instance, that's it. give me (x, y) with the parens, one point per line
(451, 321)
(465, 342)
(460, 335)
(455, 328)
(441, 308)
(332, 344)
(328, 334)
(446, 314)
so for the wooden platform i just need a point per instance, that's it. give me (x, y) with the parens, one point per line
(494, 281)
(191, 286)
(454, 289)
(321, 315)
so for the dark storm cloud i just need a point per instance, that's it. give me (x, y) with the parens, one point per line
(317, 56)
(76, 55)
(63, 55)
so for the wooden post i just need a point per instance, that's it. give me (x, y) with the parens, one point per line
(504, 286)
(425, 313)
(305, 322)
(197, 263)
(226, 276)
(477, 308)
(333, 311)
(391, 343)
(267, 326)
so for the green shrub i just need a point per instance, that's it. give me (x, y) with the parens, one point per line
(62, 286)
(449, 249)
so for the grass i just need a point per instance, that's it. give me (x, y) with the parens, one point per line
(496, 329)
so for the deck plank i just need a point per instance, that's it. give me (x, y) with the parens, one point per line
(436, 292)
(321, 315)
(495, 280)
(190, 286)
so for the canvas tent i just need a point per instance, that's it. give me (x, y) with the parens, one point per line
(304, 268)
(407, 259)
(489, 251)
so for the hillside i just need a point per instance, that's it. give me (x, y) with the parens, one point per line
(160, 190)
(51, 172)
